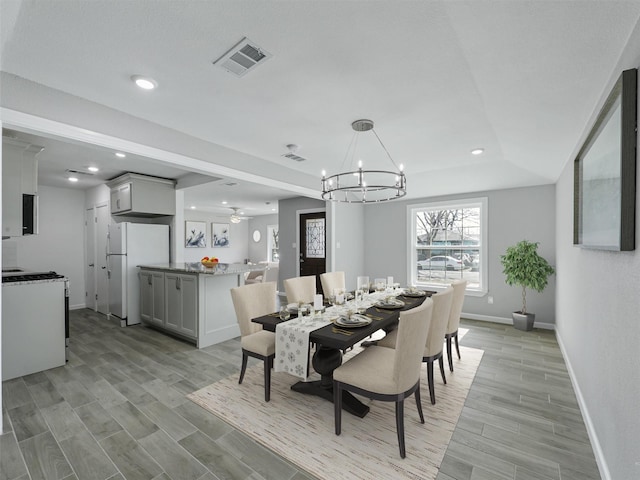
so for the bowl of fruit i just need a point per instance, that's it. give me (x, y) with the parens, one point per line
(209, 262)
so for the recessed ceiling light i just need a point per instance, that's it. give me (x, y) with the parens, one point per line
(192, 207)
(93, 169)
(120, 155)
(145, 83)
(477, 151)
(224, 202)
(273, 209)
(73, 179)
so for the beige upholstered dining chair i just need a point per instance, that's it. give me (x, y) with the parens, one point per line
(256, 276)
(331, 281)
(300, 289)
(435, 339)
(251, 301)
(386, 374)
(459, 287)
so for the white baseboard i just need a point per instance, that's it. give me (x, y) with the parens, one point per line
(506, 321)
(593, 436)
(77, 307)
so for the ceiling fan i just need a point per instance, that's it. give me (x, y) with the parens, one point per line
(235, 217)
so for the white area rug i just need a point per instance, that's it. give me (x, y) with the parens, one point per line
(301, 427)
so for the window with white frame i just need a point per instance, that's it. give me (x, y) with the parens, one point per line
(448, 242)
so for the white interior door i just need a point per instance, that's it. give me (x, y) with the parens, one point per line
(102, 283)
(90, 266)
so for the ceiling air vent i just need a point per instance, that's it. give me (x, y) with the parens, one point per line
(292, 155)
(79, 172)
(242, 57)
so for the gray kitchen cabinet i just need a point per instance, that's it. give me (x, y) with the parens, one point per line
(142, 195)
(152, 308)
(197, 303)
(121, 198)
(181, 303)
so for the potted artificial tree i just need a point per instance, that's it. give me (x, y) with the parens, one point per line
(524, 267)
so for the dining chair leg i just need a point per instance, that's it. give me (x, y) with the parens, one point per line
(432, 392)
(268, 363)
(457, 346)
(400, 425)
(419, 404)
(337, 406)
(449, 353)
(441, 363)
(244, 366)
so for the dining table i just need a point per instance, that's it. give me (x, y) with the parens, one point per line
(332, 340)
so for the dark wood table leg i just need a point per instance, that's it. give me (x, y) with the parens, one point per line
(325, 361)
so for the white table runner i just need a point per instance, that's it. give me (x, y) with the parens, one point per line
(292, 344)
(292, 337)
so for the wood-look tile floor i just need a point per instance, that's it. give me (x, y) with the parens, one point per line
(118, 410)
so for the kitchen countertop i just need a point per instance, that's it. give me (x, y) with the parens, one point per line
(29, 282)
(197, 267)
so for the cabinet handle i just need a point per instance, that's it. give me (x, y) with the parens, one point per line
(150, 280)
(91, 264)
(118, 204)
(178, 283)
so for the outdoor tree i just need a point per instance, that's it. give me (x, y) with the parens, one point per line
(431, 223)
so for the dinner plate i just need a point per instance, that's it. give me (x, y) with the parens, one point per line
(417, 294)
(393, 305)
(354, 322)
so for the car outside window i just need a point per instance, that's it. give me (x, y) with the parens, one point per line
(447, 242)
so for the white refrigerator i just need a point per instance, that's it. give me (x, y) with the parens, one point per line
(130, 245)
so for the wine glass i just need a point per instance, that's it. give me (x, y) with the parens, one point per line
(285, 314)
(338, 294)
(363, 284)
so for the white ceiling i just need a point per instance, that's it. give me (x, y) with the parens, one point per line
(518, 78)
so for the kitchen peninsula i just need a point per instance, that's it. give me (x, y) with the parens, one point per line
(191, 300)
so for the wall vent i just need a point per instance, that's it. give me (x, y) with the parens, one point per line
(242, 57)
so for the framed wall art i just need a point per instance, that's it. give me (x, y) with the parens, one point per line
(220, 235)
(604, 196)
(195, 234)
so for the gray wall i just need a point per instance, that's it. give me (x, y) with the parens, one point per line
(514, 215)
(60, 244)
(287, 224)
(346, 243)
(598, 330)
(258, 250)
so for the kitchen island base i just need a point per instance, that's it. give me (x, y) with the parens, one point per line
(191, 301)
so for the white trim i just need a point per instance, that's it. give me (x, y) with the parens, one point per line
(484, 235)
(42, 126)
(332, 238)
(298, 213)
(269, 241)
(504, 320)
(591, 429)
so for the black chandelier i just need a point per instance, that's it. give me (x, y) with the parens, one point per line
(364, 186)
